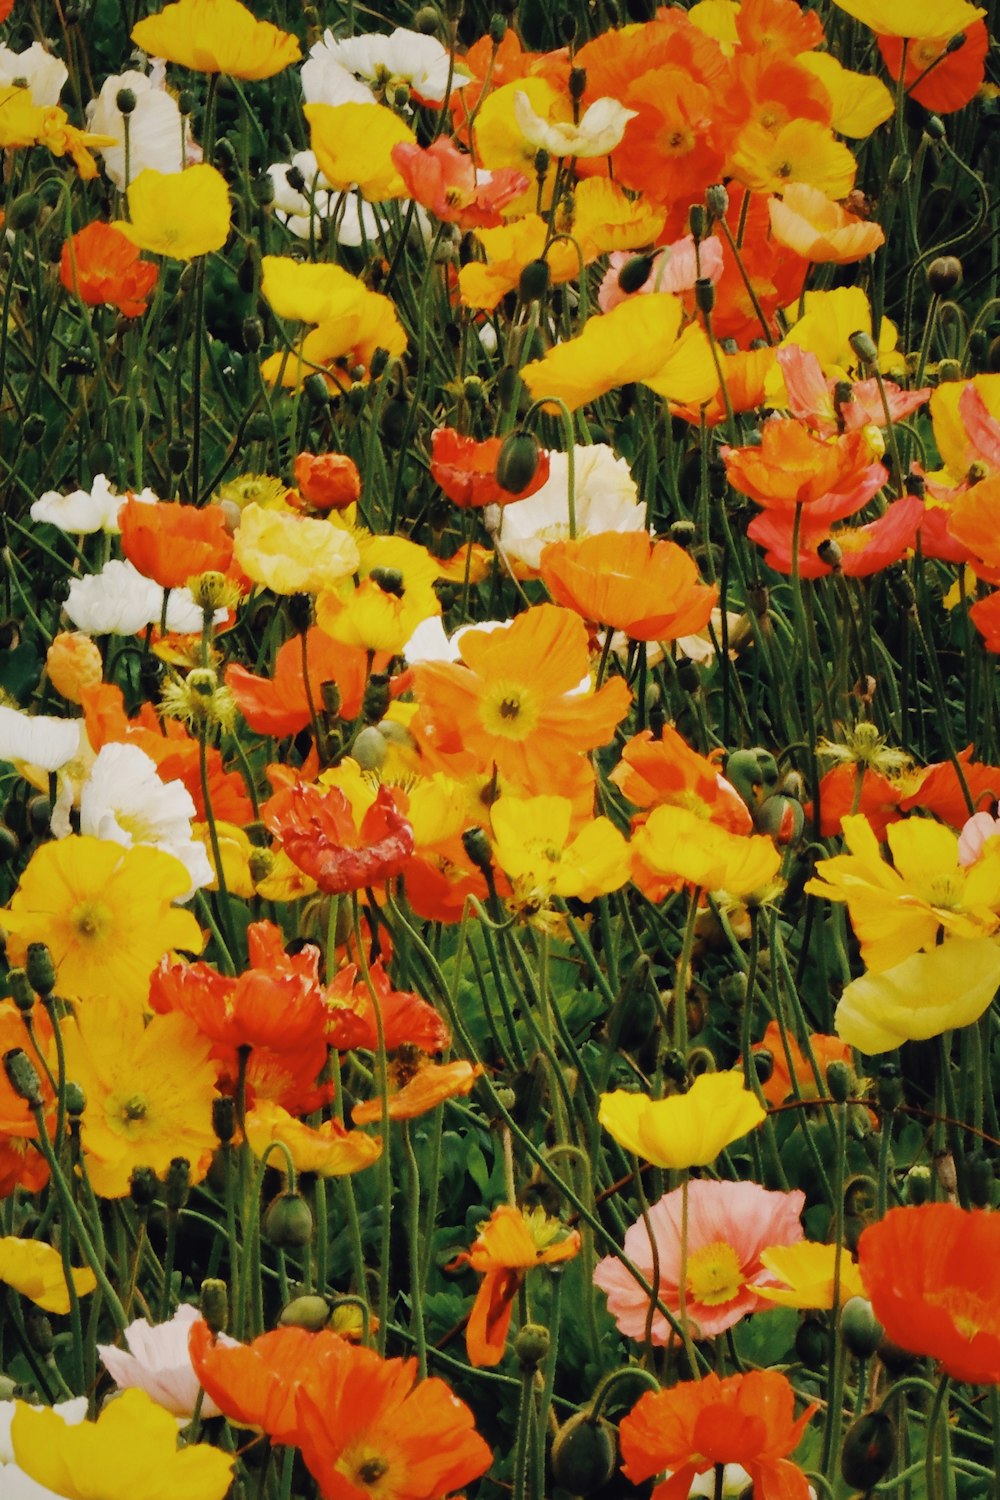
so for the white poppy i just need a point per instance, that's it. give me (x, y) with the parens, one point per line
(38, 739)
(155, 129)
(325, 80)
(606, 500)
(158, 1362)
(34, 69)
(599, 130)
(408, 56)
(83, 512)
(120, 601)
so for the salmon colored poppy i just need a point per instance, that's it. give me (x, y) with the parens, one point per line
(820, 230)
(407, 1021)
(859, 552)
(281, 705)
(508, 1246)
(368, 1428)
(101, 265)
(444, 180)
(513, 700)
(429, 1086)
(466, 469)
(791, 466)
(171, 543)
(319, 833)
(650, 590)
(651, 772)
(327, 481)
(933, 1278)
(697, 1424)
(328, 1149)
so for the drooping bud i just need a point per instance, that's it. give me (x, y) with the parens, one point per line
(309, 1312)
(584, 1454)
(944, 275)
(517, 461)
(869, 1450)
(288, 1222)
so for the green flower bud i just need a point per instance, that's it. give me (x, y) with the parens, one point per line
(23, 212)
(76, 1099)
(143, 1187)
(812, 1344)
(838, 1081)
(862, 1332)
(534, 281)
(518, 460)
(309, 1312)
(869, 1450)
(21, 990)
(288, 1222)
(376, 699)
(944, 275)
(215, 1304)
(23, 1078)
(41, 970)
(532, 1345)
(584, 1454)
(177, 1187)
(369, 749)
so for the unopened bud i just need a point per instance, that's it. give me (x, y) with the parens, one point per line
(376, 699)
(584, 1454)
(532, 1345)
(944, 275)
(23, 1078)
(143, 1187)
(869, 1450)
(215, 1304)
(917, 1185)
(23, 212)
(21, 990)
(534, 281)
(517, 461)
(838, 1081)
(477, 846)
(224, 1108)
(177, 1187)
(696, 221)
(309, 1312)
(862, 1332)
(704, 294)
(717, 200)
(864, 347)
(288, 1222)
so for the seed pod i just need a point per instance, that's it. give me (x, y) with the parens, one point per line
(584, 1454)
(868, 1451)
(861, 1330)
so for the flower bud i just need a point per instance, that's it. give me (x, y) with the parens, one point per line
(178, 455)
(369, 749)
(864, 347)
(696, 221)
(125, 101)
(781, 818)
(829, 553)
(39, 1332)
(143, 1187)
(224, 1108)
(517, 461)
(869, 1450)
(253, 334)
(948, 370)
(534, 281)
(477, 846)
(309, 1312)
(316, 390)
(74, 664)
(10, 844)
(532, 1345)
(177, 1187)
(577, 83)
(838, 1081)
(215, 1304)
(981, 1179)
(717, 200)
(542, 162)
(917, 1184)
(288, 1222)
(21, 990)
(812, 1344)
(862, 1332)
(890, 1087)
(498, 30)
(376, 699)
(584, 1454)
(23, 212)
(944, 275)
(33, 428)
(704, 293)
(899, 170)
(426, 20)
(76, 1099)
(23, 1078)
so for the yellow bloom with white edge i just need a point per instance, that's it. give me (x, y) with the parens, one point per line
(500, 141)
(598, 131)
(129, 1453)
(639, 340)
(912, 18)
(217, 36)
(179, 214)
(353, 146)
(534, 845)
(900, 908)
(293, 554)
(808, 1273)
(36, 1271)
(686, 1130)
(676, 844)
(927, 994)
(860, 102)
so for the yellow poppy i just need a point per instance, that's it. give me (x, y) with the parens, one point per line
(686, 1130)
(905, 18)
(341, 348)
(801, 151)
(329, 1150)
(860, 102)
(542, 856)
(827, 323)
(395, 592)
(951, 437)
(509, 248)
(925, 995)
(292, 554)
(36, 1271)
(217, 36)
(809, 1275)
(307, 291)
(180, 214)
(353, 146)
(500, 141)
(675, 843)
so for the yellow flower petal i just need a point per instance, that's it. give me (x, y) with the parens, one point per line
(907, 18)
(929, 993)
(217, 36)
(293, 554)
(809, 1272)
(860, 102)
(308, 292)
(632, 342)
(353, 145)
(36, 1271)
(686, 1130)
(180, 214)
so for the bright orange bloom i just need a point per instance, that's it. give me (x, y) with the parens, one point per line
(775, 272)
(985, 615)
(791, 466)
(369, 1432)
(429, 1086)
(101, 266)
(652, 772)
(443, 179)
(20, 1164)
(820, 230)
(406, 1019)
(777, 26)
(256, 1384)
(650, 590)
(878, 799)
(795, 1064)
(509, 1244)
(328, 481)
(745, 1419)
(514, 701)
(280, 705)
(933, 1277)
(954, 78)
(466, 470)
(171, 543)
(939, 791)
(328, 1149)
(974, 521)
(319, 834)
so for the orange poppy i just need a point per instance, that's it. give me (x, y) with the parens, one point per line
(466, 469)
(777, 26)
(744, 1419)
(951, 79)
(508, 1245)
(256, 1384)
(775, 272)
(985, 615)
(820, 230)
(429, 1086)
(439, 882)
(406, 1019)
(940, 792)
(171, 543)
(933, 1278)
(793, 1063)
(791, 466)
(280, 705)
(514, 700)
(100, 265)
(878, 799)
(319, 834)
(652, 772)
(328, 1149)
(368, 1427)
(21, 1165)
(650, 590)
(328, 481)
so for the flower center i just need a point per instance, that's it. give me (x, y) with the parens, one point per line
(91, 920)
(510, 710)
(714, 1274)
(367, 1469)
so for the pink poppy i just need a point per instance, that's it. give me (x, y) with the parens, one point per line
(159, 1363)
(729, 1224)
(811, 396)
(675, 268)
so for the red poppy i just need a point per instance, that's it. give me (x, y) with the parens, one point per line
(932, 1274)
(406, 1019)
(950, 79)
(745, 1419)
(319, 834)
(940, 792)
(367, 1427)
(444, 180)
(650, 590)
(279, 705)
(171, 543)
(256, 1384)
(878, 799)
(466, 469)
(102, 266)
(328, 481)
(862, 550)
(439, 883)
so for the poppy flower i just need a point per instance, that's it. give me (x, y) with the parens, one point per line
(318, 832)
(429, 1086)
(900, 18)
(777, 26)
(280, 705)
(101, 265)
(367, 1427)
(922, 996)
(256, 1384)
(820, 230)
(729, 1224)
(407, 1021)
(445, 180)
(354, 145)
(697, 1424)
(859, 103)
(650, 590)
(292, 554)
(171, 543)
(933, 1278)
(217, 36)
(855, 551)
(811, 1276)
(327, 1149)
(832, 477)
(606, 498)
(651, 772)
(508, 1245)
(178, 214)
(509, 249)
(341, 348)
(985, 615)
(790, 1063)
(544, 855)
(20, 1163)
(684, 1130)
(466, 469)
(36, 1270)
(677, 845)
(819, 403)
(327, 481)
(157, 1360)
(514, 700)
(775, 273)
